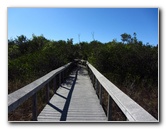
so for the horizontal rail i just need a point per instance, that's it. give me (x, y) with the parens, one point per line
(18, 97)
(129, 107)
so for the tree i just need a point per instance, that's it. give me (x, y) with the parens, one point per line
(37, 42)
(13, 51)
(126, 38)
(135, 38)
(21, 39)
(70, 41)
(22, 43)
(93, 36)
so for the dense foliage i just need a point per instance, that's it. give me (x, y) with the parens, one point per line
(121, 61)
(129, 64)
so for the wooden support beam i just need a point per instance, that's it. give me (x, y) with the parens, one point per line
(93, 79)
(100, 93)
(54, 84)
(47, 93)
(63, 76)
(59, 79)
(34, 108)
(97, 86)
(109, 108)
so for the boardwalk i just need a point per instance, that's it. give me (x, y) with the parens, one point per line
(75, 100)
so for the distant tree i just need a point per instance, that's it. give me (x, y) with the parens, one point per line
(11, 41)
(126, 38)
(84, 50)
(70, 41)
(21, 39)
(135, 38)
(22, 43)
(37, 42)
(93, 36)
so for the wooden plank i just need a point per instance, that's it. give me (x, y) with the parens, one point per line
(132, 110)
(87, 102)
(83, 105)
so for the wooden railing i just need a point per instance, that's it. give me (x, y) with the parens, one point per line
(129, 107)
(16, 98)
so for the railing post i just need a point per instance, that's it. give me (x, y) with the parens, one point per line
(63, 76)
(47, 93)
(54, 84)
(98, 88)
(59, 79)
(66, 74)
(34, 110)
(109, 108)
(93, 79)
(87, 68)
(91, 75)
(96, 82)
(100, 93)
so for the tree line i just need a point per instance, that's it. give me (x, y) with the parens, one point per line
(129, 59)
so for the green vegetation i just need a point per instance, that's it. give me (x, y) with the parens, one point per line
(130, 65)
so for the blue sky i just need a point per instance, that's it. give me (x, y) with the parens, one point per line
(106, 23)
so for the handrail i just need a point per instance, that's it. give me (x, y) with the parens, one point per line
(129, 107)
(21, 95)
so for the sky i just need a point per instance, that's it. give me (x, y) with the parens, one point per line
(105, 24)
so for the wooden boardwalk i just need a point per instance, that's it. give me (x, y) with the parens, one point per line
(75, 100)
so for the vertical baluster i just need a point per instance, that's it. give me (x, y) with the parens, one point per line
(90, 75)
(87, 68)
(93, 79)
(109, 108)
(47, 93)
(97, 87)
(63, 78)
(95, 82)
(54, 84)
(59, 79)
(100, 94)
(64, 74)
(34, 110)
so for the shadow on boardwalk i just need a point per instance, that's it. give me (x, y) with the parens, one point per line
(75, 100)
(69, 82)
